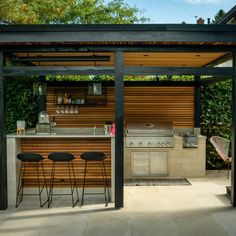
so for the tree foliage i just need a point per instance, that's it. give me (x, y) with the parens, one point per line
(218, 16)
(69, 11)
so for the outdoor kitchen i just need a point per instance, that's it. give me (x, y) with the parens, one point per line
(155, 150)
(160, 140)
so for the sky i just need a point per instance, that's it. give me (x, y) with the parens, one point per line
(177, 11)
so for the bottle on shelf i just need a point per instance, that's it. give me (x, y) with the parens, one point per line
(65, 101)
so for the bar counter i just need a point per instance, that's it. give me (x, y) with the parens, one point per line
(75, 141)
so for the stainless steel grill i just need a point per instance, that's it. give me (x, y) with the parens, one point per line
(149, 135)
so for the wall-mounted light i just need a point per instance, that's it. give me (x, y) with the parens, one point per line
(39, 88)
(95, 88)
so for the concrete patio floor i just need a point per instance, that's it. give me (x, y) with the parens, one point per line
(200, 209)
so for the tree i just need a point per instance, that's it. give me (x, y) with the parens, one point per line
(69, 11)
(218, 16)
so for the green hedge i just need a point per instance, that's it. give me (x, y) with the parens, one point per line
(216, 118)
(20, 104)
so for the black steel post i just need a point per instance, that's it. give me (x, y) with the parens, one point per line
(119, 139)
(233, 163)
(197, 103)
(3, 158)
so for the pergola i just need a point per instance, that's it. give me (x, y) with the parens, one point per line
(118, 50)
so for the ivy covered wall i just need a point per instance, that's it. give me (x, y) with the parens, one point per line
(20, 103)
(216, 118)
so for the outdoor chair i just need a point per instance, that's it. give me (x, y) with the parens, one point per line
(26, 158)
(98, 157)
(63, 157)
(222, 147)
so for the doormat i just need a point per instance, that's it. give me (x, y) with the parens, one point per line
(157, 182)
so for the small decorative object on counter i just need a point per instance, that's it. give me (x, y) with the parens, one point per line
(107, 127)
(43, 126)
(113, 129)
(20, 130)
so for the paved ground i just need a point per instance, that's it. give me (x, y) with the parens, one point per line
(200, 209)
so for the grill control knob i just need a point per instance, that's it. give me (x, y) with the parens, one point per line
(149, 144)
(168, 144)
(131, 144)
(158, 144)
(140, 144)
(163, 144)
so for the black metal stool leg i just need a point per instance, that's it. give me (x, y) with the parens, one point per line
(104, 182)
(75, 183)
(45, 183)
(85, 169)
(51, 184)
(71, 185)
(39, 186)
(19, 187)
(104, 168)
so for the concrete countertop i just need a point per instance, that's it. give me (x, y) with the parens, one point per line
(64, 133)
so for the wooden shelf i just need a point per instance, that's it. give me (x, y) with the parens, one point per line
(78, 94)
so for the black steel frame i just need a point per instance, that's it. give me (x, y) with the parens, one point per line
(177, 35)
(3, 158)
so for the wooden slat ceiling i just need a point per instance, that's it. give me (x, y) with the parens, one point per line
(190, 59)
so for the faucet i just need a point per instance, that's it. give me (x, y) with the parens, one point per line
(94, 129)
(52, 124)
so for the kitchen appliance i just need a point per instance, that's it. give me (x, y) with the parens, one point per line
(43, 126)
(190, 141)
(147, 147)
(149, 135)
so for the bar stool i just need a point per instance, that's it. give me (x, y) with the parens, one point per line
(57, 157)
(29, 157)
(98, 157)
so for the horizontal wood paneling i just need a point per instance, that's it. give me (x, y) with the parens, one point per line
(141, 103)
(168, 59)
(74, 146)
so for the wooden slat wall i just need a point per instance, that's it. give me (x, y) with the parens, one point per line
(44, 146)
(141, 103)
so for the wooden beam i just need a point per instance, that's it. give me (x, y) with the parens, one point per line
(119, 120)
(57, 70)
(132, 70)
(3, 158)
(126, 48)
(152, 70)
(118, 33)
(215, 79)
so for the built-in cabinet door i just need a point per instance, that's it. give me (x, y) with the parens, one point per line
(140, 163)
(158, 163)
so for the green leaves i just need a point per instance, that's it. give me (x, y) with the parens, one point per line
(20, 104)
(216, 117)
(69, 11)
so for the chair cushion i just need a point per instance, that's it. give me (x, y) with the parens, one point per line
(29, 157)
(93, 156)
(61, 156)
